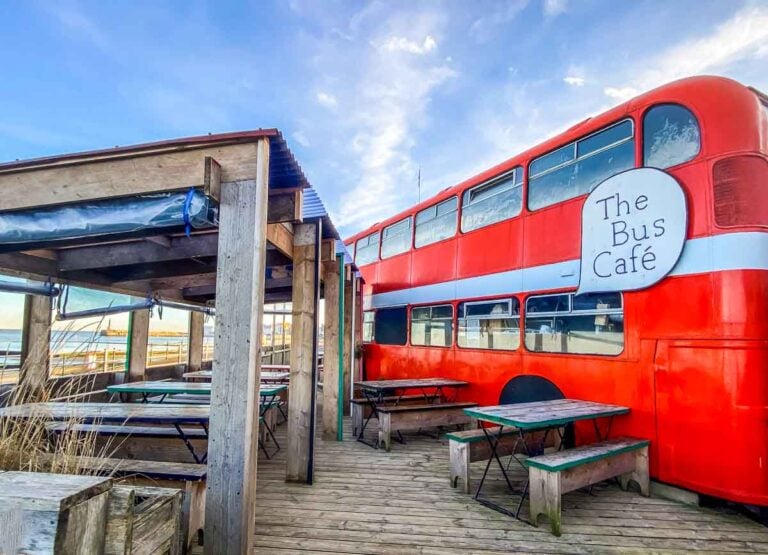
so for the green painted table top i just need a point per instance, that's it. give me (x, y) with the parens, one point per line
(545, 414)
(173, 388)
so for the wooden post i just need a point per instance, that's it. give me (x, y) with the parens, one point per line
(331, 354)
(139, 338)
(303, 362)
(195, 352)
(349, 355)
(35, 344)
(234, 427)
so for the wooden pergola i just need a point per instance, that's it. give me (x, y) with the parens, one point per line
(263, 249)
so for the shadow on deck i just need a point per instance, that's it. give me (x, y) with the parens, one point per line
(369, 501)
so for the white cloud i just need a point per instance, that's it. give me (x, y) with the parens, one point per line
(300, 137)
(555, 7)
(621, 93)
(326, 99)
(742, 36)
(574, 80)
(484, 28)
(402, 44)
(76, 24)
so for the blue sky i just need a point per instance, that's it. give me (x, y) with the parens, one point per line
(365, 93)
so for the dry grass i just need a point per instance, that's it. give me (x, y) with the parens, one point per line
(27, 444)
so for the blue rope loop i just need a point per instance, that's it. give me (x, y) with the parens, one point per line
(185, 213)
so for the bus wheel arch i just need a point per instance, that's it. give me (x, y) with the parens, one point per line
(529, 388)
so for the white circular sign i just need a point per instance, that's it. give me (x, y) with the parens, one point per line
(633, 231)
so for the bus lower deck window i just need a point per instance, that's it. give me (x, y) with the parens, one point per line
(592, 323)
(432, 326)
(390, 326)
(368, 319)
(490, 325)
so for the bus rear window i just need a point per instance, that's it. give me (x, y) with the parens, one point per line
(671, 136)
(575, 169)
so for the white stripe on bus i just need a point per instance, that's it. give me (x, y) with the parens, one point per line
(717, 253)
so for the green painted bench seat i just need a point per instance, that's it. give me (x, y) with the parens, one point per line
(570, 458)
(477, 434)
(555, 474)
(470, 446)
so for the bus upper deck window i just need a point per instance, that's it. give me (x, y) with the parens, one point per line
(396, 238)
(436, 223)
(671, 136)
(575, 169)
(491, 202)
(367, 249)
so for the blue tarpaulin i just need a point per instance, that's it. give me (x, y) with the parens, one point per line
(108, 217)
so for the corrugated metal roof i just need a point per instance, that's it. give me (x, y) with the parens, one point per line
(314, 209)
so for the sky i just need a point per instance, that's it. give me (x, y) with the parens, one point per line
(367, 94)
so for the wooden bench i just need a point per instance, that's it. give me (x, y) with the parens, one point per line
(414, 417)
(189, 478)
(555, 474)
(469, 446)
(150, 443)
(361, 408)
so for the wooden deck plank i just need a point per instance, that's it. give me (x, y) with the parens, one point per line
(370, 502)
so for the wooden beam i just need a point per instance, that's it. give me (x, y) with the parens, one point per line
(285, 207)
(23, 265)
(303, 361)
(138, 343)
(137, 252)
(169, 283)
(138, 174)
(234, 429)
(35, 346)
(162, 240)
(212, 178)
(281, 238)
(331, 392)
(328, 250)
(195, 352)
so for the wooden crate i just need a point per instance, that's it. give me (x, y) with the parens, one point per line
(144, 520)
(52, 513)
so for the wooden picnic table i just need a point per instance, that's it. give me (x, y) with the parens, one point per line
(162, 388)
(265, 376)
(376, 390)
(527, 418)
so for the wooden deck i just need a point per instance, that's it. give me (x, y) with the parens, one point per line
(373, 502)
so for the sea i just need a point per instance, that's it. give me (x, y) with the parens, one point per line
(68, 341)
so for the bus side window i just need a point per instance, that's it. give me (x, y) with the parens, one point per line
(396, 238)
(577, 168)
(390, 326)
(436, 223)
(671, 136)
(490, 324)
(368, 319)
(367, 249)
(432, 326)
(494, 201)
(588, 324)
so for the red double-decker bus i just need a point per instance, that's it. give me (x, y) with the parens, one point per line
(479, 283)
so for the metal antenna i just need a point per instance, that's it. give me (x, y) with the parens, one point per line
(419, 183)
